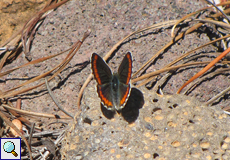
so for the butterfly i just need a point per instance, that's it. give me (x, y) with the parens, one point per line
(112, 88)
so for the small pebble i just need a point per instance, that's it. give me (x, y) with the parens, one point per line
(147, 155)
(118, 156)
(224, 146)
(209, 134)
(205, 145)
(175, 144)
(148, 119)
(188, 101)
(158, 117)
(97, 141)
(196, 155)
(148, 126)
(227, 140)
(208, 157)
(147, 134)
(171, 124)
(112, 151)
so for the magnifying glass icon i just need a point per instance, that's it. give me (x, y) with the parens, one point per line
(9, 147)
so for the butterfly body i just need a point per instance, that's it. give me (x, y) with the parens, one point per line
(113, 89)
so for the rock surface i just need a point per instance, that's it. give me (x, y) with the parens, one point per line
(165, 127)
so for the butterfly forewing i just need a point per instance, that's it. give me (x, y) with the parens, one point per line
(125, 69)
(101, 70)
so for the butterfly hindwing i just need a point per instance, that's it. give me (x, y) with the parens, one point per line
(105, 93)
(124, 94)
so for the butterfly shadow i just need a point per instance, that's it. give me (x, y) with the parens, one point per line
(131, 110)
